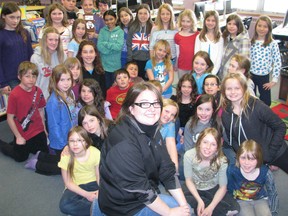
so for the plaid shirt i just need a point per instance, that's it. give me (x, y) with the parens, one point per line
(239, 45)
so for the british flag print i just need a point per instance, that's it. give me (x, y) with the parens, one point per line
(140, 41)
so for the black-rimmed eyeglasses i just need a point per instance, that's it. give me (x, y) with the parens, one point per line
(147, 105)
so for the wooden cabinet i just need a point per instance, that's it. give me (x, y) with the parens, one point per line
(283, 91)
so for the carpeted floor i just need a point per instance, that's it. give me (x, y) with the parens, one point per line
(282, 111)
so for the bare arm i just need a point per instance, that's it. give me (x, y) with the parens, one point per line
(170, 80)
(172, 150)
(42, 114)
(19, 139)
(179, 196)
(161, 208)
(150, 74)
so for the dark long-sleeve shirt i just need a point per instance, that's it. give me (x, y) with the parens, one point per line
(13, 50)
(132, 165)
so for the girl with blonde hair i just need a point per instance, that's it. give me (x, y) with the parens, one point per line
(185, 38)
(165, 29)
(159, 67)
(245, 117)
(46, 56)
(167, 121)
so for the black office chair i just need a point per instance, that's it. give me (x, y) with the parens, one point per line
(246, 22)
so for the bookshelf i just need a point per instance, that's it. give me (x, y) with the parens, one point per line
(3, 106)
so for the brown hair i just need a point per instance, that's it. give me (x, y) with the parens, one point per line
(74, 27)
(120, 71)
(215, 122)
(25, 66)
(194, 93)
(239, 25)
(268, 36)
(135, 26)
(97, 61)
(133, 94)
(206, 58)
(70, 63)
(128, 11)
(88, 142)
(92, 110)
(252, 147)
(217, 32)
(243, 63)
(96, 91)
(9, 8)
(215, 161)
(53, 7)
(211, 76)
(55, 78)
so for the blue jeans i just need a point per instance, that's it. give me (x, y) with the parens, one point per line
(230, 154)
(254, 207)
(95, 209)
(169, 200)
(74, 204)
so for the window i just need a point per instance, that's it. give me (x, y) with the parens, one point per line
(260, 6)
(275, 6)
(245, 4)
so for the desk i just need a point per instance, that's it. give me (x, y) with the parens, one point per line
(35, 8)
(280, 33)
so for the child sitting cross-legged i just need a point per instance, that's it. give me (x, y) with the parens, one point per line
(80, 173)
(116, 94)
(251, 182)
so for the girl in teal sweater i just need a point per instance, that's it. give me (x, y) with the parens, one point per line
(110, 43)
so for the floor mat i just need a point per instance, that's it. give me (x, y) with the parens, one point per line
(282, 111)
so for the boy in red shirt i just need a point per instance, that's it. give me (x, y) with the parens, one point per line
(116, 94)
(25, 115)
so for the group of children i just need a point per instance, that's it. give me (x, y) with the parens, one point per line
(83, 93)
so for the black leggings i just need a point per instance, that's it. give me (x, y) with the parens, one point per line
(48, 163)
(282, 161)
(21, 153)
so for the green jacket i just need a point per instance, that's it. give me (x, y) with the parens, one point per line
(110, 45)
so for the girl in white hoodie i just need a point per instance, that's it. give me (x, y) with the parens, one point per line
(46, 56)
